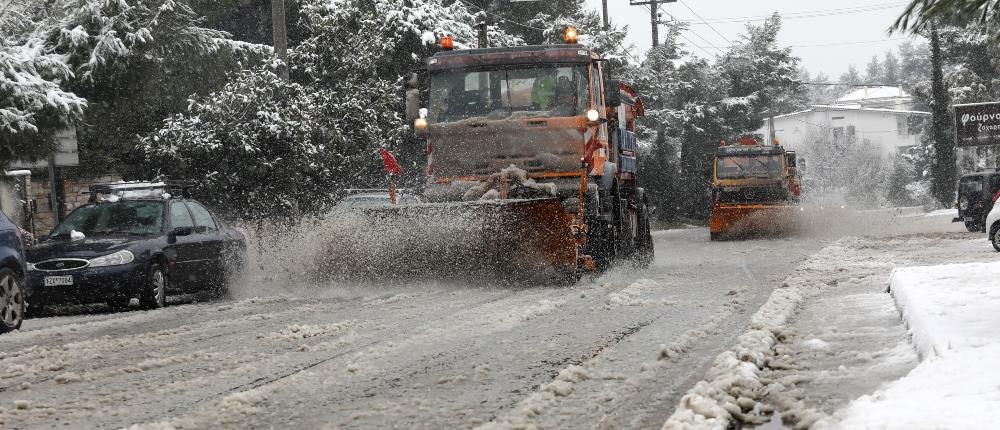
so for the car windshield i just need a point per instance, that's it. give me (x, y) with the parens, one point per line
(508, 93)
(971, 185)
(131, 217)
(748, 166)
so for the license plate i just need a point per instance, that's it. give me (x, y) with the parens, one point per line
(51, 281)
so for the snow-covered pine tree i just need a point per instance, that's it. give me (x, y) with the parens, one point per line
(285, 148)
(134, 61)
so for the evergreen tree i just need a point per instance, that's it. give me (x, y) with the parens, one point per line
(134, 62)
(943, 169)
(286, 147)
(914, 63)
(851, 76)
(874, 71)
(890, 69)
(903, 174)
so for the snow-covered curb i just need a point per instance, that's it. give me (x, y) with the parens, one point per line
(953, 312)
(732, 388)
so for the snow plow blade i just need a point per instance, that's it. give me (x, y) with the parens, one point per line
(501, 240)
(736, 221)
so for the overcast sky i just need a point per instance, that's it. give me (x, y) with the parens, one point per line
(850, 31)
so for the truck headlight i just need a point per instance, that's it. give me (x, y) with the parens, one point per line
(420, 126)
(593, 115)
(118, 258)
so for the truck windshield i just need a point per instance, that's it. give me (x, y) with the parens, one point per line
(748, 166)
(508, 93)
(135, 217)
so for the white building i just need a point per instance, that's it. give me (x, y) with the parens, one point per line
(879, 116)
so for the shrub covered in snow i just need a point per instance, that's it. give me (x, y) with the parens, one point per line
(263, 147)
(130, 59)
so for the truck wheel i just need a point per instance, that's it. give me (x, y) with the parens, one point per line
(603, 245)
(972, 226)
(645, 255)
(714, 236)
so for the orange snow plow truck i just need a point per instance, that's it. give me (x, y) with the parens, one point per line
(755, 190)
(531, 170)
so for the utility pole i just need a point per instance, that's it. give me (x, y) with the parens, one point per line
(607, 22)
(280, 34)
(654, 15)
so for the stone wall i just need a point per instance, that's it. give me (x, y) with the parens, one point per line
(73, 197)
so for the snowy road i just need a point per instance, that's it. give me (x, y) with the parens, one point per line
(609, 353)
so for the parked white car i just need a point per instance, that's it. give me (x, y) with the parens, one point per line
(993, 224)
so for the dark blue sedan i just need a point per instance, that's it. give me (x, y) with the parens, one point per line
(12, 267)
(122, 248)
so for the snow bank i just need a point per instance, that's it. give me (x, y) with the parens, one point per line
(733, 388)
(953, 312)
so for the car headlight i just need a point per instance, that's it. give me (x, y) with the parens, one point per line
(30, 267)
(118, 258)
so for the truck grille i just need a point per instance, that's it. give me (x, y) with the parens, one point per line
(61, 264)
(752, 194)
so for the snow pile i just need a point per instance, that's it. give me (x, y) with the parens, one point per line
(76, 235)
(515, 176)
(953, 312)
(632, 295)
(304, 331)
(543, 307)
(733, 389)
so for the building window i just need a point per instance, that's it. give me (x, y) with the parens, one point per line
(838, 134)
(852, 134)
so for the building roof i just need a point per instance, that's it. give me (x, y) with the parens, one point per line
(873, 93)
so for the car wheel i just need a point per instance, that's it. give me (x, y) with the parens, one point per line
(11, 302)
(154, 293)
(972, 226)
(995, 236)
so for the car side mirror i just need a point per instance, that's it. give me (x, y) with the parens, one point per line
(179, 231)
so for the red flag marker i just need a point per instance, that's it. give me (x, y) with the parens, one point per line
(389, 161)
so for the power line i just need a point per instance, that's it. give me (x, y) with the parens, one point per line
(703, 49)
(819, 45)
(500, 17)
(802, 15)
(706, 22)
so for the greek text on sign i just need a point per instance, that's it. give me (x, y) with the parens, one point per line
(977, 124)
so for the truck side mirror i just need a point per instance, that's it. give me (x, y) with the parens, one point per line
(612, 93)
(412, 105)
(413, 98)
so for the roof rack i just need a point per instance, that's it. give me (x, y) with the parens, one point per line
(351, 191)
(109, 188)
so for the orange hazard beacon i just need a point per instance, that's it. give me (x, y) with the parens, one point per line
(755, 189)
